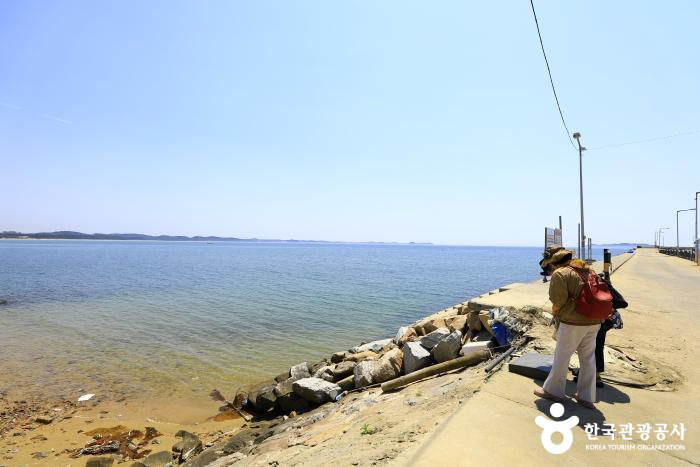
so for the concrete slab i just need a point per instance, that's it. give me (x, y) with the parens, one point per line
(533, 365)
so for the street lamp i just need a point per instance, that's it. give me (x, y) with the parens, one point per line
(696, 215)
(677, 236)
(661, 229)
(582, 238)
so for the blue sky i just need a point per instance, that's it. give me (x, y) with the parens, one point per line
(388, 121)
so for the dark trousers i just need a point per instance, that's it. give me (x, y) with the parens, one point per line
(600, 346)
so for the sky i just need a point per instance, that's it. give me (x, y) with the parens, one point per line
(354, 120)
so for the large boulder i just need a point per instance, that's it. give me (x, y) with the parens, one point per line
(415, 357)
(316, 390)
(409, 334)
(158, 459)
(325, 372)
(364, 373)
(314, 367)
(430, 340)
(291, 402)
(374, 346)
(188, 446)
(299, 371)
(262, 398)
(286, 399)
(448, 348)
(343, 369)
(338, 357)
(378, 371)
(399, 334)
(473, 321)
(458, 323)
(359, 357)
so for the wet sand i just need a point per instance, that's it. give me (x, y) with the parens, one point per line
(26, 441)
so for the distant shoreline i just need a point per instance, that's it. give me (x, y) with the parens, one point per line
(70, 235)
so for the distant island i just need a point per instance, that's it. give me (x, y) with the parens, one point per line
(71, 235)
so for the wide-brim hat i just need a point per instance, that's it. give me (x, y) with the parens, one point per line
(562, 257)
(547, 255)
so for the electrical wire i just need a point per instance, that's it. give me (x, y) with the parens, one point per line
(549, 71)
(641, 141)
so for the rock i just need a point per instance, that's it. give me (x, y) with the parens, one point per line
(43, 419)
(386, 368)
(262, 398)
(448, 348)
(316, 390)
(239, 441)
(399, 334)
(99, 462)
(415, 357)
(363, 373)
(458, 323)
(343, 369)
(188, 447)
(313, 368)
(228, 460)
(374, 346)
(326, 373)
(158, 459)
(409, 335)
(389, 366)
(291, 402)
(431, 340)
(482, 336)
(473, 321)
(429, 325)
(284, 388)
(299, 371)
(338, 357)
(358, 357)
(41, 454)
(241, 398)
(473, 347)
(112, 446)
(282, 377)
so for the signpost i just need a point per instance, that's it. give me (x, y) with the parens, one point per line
(552, 237)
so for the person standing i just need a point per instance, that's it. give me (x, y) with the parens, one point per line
(575, 332)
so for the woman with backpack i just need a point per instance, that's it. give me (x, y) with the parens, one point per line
(580, 302)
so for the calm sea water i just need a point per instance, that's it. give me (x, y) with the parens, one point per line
(140, 317)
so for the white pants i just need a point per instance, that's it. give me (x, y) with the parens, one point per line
(570, 339)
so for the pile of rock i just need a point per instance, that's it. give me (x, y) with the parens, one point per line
(443, 336)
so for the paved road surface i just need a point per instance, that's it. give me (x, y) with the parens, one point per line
(497, 425)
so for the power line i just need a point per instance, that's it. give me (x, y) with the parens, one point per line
(649, 140)
(549, 71)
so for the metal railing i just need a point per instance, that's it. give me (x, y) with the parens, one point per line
(682, 252)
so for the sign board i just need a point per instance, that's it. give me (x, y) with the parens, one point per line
(552, 237)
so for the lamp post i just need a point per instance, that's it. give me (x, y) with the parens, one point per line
(696, 215)
(678, 236)
(582, 238)
(661, 231)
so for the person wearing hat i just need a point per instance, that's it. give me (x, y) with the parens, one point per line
(575, 332)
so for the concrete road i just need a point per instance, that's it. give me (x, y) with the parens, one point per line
(497, 425)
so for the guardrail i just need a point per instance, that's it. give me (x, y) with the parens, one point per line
(681, 252)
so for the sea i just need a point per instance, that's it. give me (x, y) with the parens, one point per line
(149, 318)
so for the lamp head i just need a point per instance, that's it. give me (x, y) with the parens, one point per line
(577, 135)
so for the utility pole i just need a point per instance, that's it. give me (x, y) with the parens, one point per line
(677, 235)
(579, 241)
(661, 232)
(582, 237)
(696, 215)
